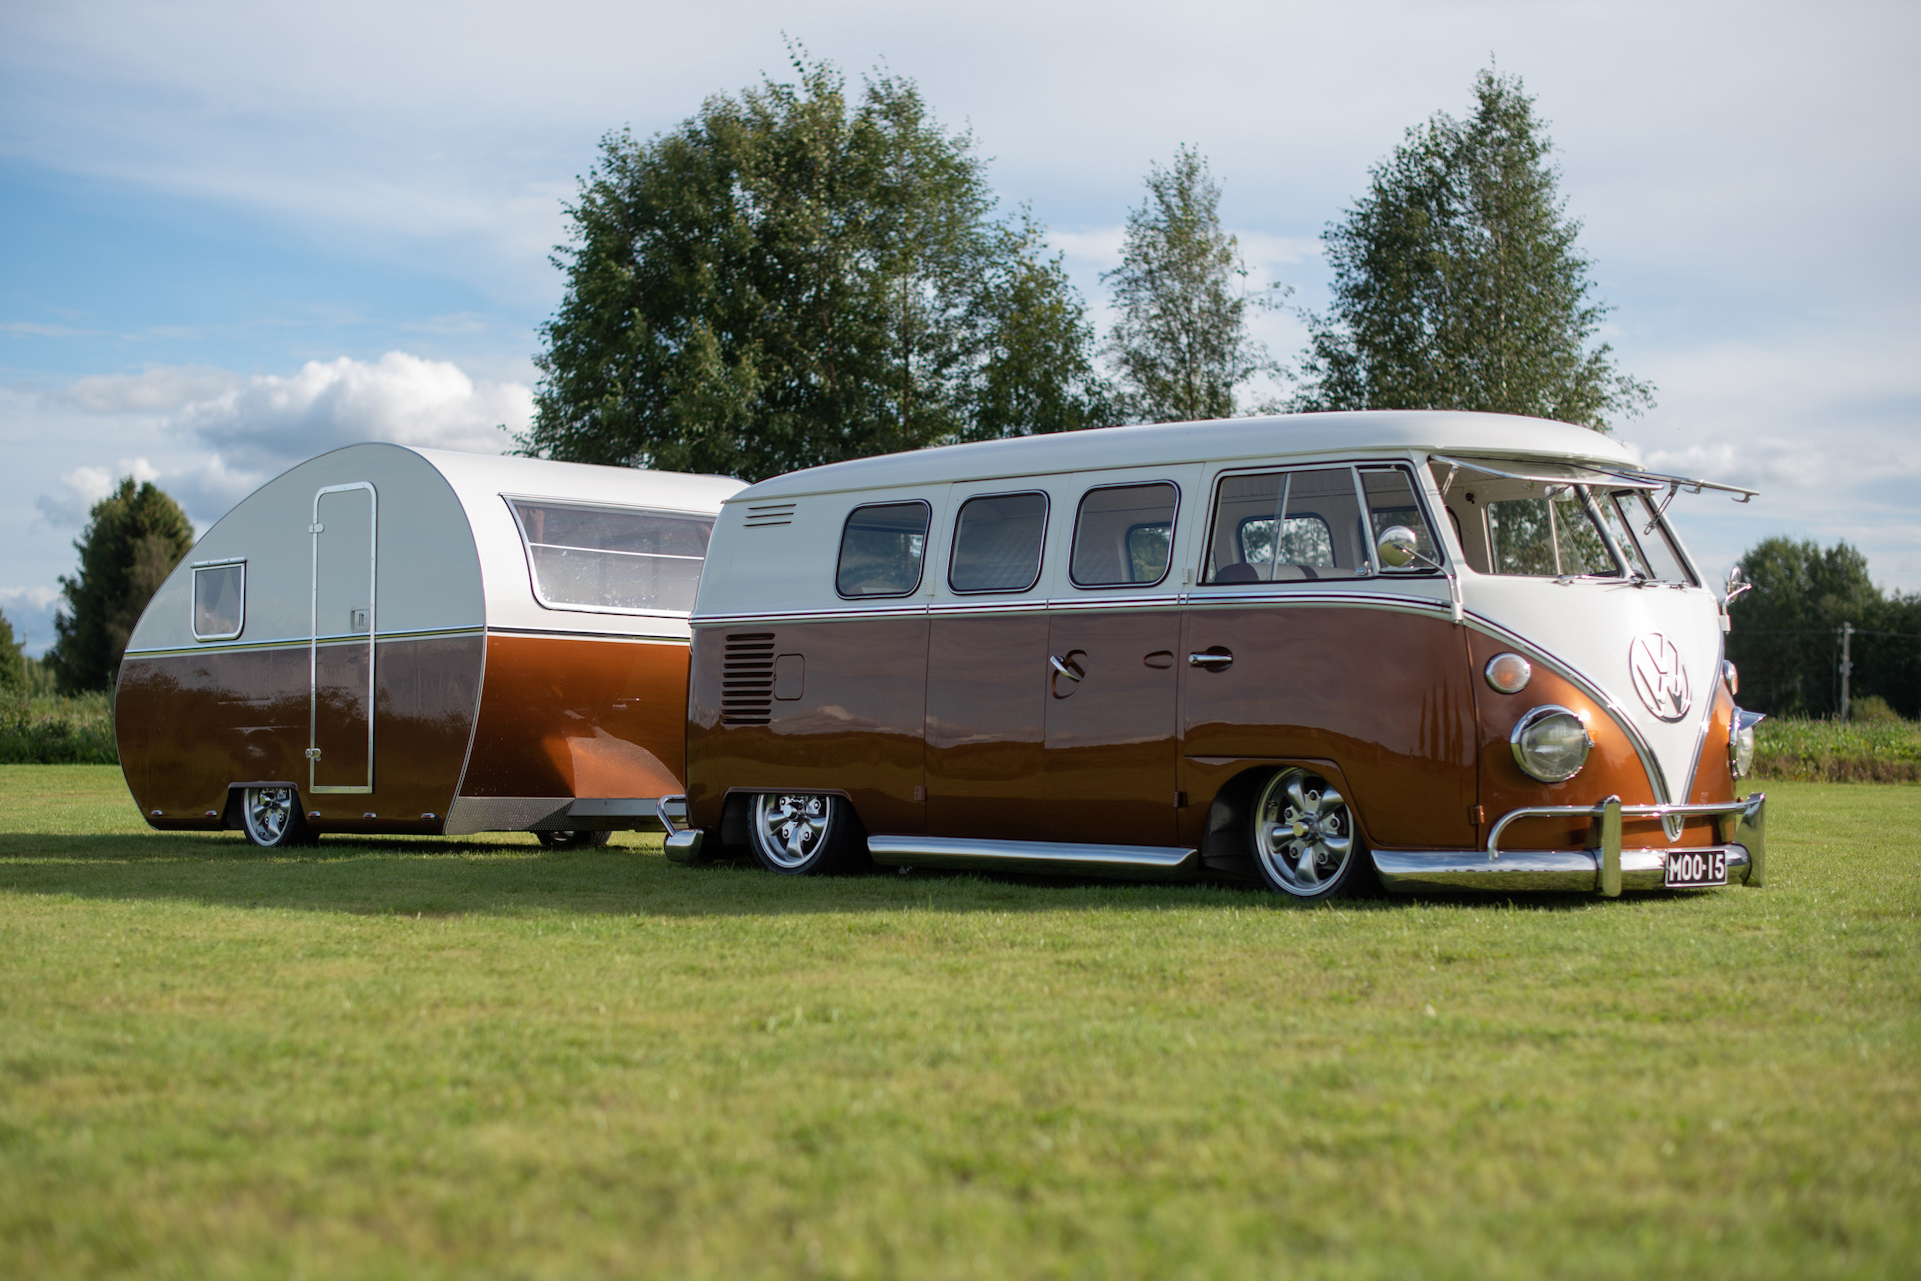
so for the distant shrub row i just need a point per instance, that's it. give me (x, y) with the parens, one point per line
(1877, 747)
(58, 731)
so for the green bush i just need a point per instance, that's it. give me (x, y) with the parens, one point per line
(50, 730)
(1872, 710)
(1884, 750)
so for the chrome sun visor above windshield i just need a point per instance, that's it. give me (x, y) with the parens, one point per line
(1580, 474)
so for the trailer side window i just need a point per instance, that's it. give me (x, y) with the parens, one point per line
(612, 559)
(1122, 535)
(997, 543)
(1285, 526)
(219, 600)
(881, 549)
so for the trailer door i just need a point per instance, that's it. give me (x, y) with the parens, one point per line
(340, 749)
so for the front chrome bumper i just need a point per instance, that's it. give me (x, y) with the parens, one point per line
(1604, 867)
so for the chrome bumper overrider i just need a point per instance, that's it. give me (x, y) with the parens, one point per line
(1604, 867)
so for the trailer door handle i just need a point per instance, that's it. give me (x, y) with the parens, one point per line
(1214, 659)
(1062, 668)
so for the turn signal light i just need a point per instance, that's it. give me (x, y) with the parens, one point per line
(1509, 673)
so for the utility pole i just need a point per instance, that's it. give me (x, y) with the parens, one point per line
(1847, 634)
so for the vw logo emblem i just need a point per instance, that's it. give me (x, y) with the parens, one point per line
(1660, 678)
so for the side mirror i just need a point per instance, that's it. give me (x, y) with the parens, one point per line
(1737, 584)
(1399, 547)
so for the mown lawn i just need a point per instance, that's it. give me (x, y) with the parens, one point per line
(425, 1058)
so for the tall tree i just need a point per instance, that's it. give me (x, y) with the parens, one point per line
(796, 276)
(1181, 342)
(13, 664)
(133, 539)
(1458, 283)
(1786, 634)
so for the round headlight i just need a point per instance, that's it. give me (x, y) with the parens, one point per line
(1509, 673)
(1551, 744)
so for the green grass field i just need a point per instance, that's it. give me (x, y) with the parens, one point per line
(439, 1058)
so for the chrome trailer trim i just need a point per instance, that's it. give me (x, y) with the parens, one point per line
(1604, 867)
(1048, 858)
(469, 814)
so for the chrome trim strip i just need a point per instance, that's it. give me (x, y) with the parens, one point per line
(1045, 857)
(424, 633)
(1523, 871)
(1307, 599)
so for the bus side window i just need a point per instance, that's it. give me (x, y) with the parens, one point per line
(1122, 535)
(881, 549)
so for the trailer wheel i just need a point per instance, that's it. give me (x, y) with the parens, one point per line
(272, 818)
(1304, 837)
(802, 833)
(574, 840)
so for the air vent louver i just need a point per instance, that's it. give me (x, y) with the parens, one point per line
(747, 679)
(759, 514)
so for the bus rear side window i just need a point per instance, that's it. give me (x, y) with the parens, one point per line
(881, 549)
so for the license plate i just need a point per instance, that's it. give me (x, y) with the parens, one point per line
(1696, 869)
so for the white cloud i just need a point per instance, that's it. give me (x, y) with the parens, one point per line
(156, 391)
(270, 421)
(82, 487)
(30, 610)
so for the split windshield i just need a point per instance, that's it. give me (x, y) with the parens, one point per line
(1542, 526)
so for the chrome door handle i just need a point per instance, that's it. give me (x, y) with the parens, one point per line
(1209, 660)
(1062, 668)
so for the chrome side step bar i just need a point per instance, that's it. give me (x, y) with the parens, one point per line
(1046, 858)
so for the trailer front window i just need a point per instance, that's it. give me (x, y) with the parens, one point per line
(612, 559)
(219, 600)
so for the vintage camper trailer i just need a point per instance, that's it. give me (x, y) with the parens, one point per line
(387, 639)
(1453, 650)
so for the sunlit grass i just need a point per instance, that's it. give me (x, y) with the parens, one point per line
(429, 1058)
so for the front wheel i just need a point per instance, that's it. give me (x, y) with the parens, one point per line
(1304, 840)
(272, 819)
(802, 833)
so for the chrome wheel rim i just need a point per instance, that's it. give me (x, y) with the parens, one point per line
(268, 812)
(1303, 833)
(790, 826)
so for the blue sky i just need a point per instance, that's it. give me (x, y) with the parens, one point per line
(232, 236)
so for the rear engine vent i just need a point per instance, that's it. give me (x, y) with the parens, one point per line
(759, 514)
(747, 679)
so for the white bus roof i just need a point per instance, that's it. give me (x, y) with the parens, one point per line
(1164, 444)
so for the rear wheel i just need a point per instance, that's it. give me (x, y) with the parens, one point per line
(574, 840)
(272, 819)
(802, 833)
(1304, 837)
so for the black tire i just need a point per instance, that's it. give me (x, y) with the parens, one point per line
(574, 840)
(804, 833)
(1305, 841)
(273, 819)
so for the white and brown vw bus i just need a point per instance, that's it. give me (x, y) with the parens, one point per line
(1453, 650)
